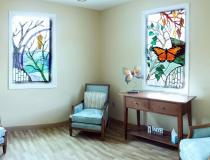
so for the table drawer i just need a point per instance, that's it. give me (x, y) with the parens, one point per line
(136, 103)
(164, 107)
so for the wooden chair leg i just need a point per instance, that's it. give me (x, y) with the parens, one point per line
(103, 130)
(5, 144)
(108, 123)
(102, 136)
(70, 131)
(70, 128)
(4, 148)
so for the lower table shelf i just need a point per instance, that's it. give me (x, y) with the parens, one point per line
(142, 132)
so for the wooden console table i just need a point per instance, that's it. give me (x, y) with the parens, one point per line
(157, 102)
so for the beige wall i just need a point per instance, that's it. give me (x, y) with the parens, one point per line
(121, 42)
(94, 46)
(77, 34)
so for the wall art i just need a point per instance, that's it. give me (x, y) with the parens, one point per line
(32, 50)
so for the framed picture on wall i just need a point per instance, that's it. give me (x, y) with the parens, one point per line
(32, 60)
(166, 49)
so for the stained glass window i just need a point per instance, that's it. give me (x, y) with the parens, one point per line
(166, 49)
(31, 53)
(32, 50)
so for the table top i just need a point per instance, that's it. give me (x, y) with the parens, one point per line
(161, 96)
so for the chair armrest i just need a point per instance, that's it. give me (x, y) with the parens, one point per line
(106, 111)
(106, 107)
(77, 108)
(199, 131)
(5, 137)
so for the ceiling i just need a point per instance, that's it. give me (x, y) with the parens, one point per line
(93, 4)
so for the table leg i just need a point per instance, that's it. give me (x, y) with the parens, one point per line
(138, 117)
(125, 122)
(189, 114)
(180, 126)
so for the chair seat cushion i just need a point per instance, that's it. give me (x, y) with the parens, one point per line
(195, 149)
(89, 116)
(201, 132)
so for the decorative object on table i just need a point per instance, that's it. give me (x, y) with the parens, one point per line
(32, 50)
(166, 47)
(154, 130)
(157, 130)
(149, 129)
(130, 74)
(133, 91)
(174, 137)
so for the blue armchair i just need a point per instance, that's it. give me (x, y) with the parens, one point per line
(91, 114)
(197, 145)
(3, 139)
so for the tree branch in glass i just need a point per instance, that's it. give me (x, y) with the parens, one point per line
(38, 64)
(23, 34)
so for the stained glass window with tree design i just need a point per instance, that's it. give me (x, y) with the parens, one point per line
(31, 49)
(165, 48)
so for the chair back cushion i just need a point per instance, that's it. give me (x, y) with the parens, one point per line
(104, 88)
(201, 132)
(2, 131)
(94, 100)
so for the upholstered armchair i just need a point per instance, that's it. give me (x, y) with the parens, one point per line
(3, 139)
(91, 114)
(197, 145)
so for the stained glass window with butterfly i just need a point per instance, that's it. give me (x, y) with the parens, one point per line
(165, 48)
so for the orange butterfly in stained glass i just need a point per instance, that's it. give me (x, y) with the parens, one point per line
(166, 54)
